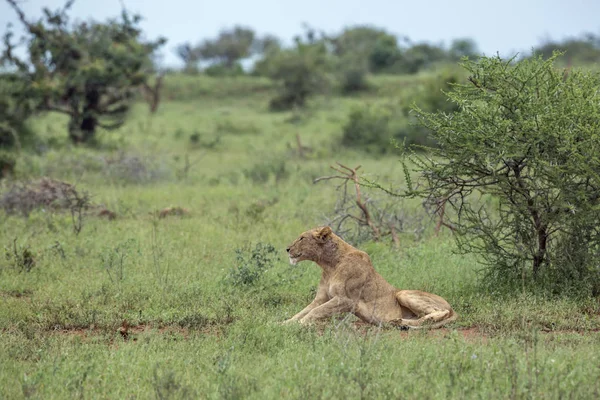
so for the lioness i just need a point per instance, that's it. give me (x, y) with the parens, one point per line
(349, 283)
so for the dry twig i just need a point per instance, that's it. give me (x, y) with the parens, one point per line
(152, 93)
(349, 174)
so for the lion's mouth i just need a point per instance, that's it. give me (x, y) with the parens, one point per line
(294, 259)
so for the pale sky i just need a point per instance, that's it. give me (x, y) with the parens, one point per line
(505, 26)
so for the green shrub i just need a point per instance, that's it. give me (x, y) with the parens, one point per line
(354, 80)
(251, 267)
(419, 57)
(20, 258)
(385, 53)
(167, 385)
(433, 95)
(372, 128)
(432, 98)
(261, 172)
(369, 129)
(352, 75)
(219, 70)
(526, 143)
(8, 161)
(301, 72)
(14, 111)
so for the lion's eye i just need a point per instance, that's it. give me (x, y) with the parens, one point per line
(301, 238)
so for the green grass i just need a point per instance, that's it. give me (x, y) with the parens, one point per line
(193, 333)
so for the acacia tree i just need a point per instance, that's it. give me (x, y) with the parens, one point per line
(189, 55)
(230, 46)
(519, 166)
(301, 72)
(367, 44)
(463, 47)
(14, 110)
(89, 71)
(227, 49)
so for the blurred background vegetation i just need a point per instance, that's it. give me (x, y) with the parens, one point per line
(93, 71)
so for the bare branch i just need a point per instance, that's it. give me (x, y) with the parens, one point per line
(351, 175)
(325, 178)
(52, 107)
(19, 12)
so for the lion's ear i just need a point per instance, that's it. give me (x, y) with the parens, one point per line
(323, 234)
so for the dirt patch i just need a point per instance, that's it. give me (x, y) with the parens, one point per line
(125, 331)
(469, 334)
(16, 293)
(132, 332)
(472, 334)
(567, 331)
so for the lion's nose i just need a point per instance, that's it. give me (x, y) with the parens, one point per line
(288, 249)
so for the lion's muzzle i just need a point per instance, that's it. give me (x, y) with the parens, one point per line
(293, 258)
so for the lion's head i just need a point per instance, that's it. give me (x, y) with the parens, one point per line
(309, 245)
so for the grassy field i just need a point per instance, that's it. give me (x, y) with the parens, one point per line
(190, 306)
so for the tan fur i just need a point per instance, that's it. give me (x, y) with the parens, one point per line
(349, 283)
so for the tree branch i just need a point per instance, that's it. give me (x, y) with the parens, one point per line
(350, 175)
(20, 13)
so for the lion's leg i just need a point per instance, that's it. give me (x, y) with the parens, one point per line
(429, 312)
(306, 310)
(334, 306)
(320, 298)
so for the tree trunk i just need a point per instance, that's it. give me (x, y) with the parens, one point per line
(88, 127)
(540, 256)
(541, 229)
(74, 129)
(152, 93)
(82, 127)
